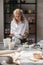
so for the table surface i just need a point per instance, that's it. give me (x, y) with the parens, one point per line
(23, 48)
(24, 63)
(7, 48)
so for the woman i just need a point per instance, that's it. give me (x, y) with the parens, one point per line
(19, 25)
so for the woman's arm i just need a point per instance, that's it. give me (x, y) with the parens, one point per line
(26, 33)
(8, 51)
(11, 29)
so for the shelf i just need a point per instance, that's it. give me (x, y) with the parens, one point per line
(7, 33)
(8, 13)
(31, 22)
(24, 13)
(29, 13)
(7, 23)
(32, 33)
(20, 3)
(11, 3)
(29, 3)
(33, 12)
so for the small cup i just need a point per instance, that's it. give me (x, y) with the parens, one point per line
(6, 41)
(11, 45)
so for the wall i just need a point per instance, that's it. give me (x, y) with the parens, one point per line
(1, 21)
(40, 20)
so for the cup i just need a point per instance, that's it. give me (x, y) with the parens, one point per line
(11, 45)
(41, 43)
(16, 40)
(6, 41)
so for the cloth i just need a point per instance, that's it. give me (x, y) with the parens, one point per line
(25, 57)
(19, 29)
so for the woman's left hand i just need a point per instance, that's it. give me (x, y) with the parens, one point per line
(25, 34)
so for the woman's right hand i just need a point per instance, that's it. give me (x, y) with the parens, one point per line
(11, 35)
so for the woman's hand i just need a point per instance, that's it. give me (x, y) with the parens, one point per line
(11, 35)
(25, 35)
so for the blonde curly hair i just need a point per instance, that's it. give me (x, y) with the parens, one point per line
(20, 12)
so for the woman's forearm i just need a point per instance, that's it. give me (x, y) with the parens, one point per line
(8, 52)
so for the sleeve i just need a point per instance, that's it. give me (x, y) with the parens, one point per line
(27, 27)
(11, 27)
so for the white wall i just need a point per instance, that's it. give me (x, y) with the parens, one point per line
(1, 21)
(40, 20)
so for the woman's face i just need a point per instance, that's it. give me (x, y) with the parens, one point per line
(17, 16)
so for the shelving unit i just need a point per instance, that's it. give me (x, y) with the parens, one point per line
(29, 8)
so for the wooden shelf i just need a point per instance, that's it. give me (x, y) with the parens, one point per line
(29, 3)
